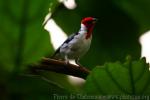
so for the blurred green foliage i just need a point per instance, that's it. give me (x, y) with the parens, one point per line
(23, 41)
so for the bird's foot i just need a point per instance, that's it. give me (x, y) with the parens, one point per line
(77, 62)
(79, 65)
(67, 62)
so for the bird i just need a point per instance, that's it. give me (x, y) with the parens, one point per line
(77, 44)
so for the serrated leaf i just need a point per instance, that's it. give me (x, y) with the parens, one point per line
(130, 78)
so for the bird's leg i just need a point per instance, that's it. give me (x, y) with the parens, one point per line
(66, 59)
(77, 62)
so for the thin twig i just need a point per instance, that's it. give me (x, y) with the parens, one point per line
(58, 66)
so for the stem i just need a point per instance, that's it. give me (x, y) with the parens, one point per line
(131, 78)
(22, 32)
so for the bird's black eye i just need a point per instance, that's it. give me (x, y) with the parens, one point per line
(89, 22)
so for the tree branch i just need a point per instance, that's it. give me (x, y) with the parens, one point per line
(58, 66)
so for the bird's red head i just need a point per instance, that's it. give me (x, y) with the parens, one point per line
(89, 23)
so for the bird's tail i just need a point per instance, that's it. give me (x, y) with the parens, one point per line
(56, 56)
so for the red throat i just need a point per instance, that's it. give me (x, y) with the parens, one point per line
(89, 32)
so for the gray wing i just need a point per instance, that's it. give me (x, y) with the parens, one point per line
(57, 52)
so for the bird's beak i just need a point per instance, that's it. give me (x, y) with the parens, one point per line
(95, 20)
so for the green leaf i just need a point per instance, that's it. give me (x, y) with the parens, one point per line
(23, 39)
(130, 78)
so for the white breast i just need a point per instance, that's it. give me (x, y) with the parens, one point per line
(78, 46)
